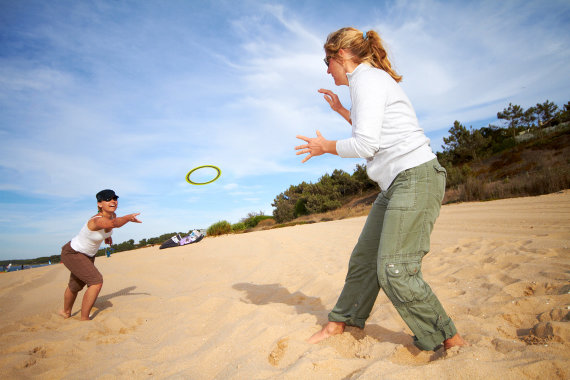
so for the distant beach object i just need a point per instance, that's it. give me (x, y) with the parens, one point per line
(201, 167)
(176, 240)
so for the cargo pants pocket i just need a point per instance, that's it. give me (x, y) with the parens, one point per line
(405, 282)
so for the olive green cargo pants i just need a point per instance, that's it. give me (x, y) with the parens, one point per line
(388, 256)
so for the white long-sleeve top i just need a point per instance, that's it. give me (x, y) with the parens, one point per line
(385, 129)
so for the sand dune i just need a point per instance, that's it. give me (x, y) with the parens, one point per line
(241, 306)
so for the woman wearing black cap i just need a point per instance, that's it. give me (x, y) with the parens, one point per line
(79, 254)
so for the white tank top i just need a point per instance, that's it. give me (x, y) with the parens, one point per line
(87, 241)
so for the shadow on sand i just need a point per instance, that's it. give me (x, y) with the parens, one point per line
(104, 302)
(275, 293)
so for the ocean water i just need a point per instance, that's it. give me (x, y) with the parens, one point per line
(15, 268)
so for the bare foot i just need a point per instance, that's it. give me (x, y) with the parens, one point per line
(64, 314)
(331, 328)
(455, 340)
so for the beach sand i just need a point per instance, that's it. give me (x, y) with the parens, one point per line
(242, 306)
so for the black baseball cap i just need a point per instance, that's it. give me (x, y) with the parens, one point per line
(106, 195)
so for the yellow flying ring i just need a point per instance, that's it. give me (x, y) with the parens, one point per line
(201, 167)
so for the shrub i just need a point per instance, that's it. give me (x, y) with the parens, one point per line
(238, 227)
(344, 183)
(220, 228)
(266, 223)
(254, 218)
(260, 218)
(301, 207)
(473, 190)
(284, 209)
(365, 183)
(457, 175)
(545, 181)
(317, 203)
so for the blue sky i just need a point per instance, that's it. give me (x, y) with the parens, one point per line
(131, 95)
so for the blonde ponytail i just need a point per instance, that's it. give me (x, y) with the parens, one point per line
(365, 47)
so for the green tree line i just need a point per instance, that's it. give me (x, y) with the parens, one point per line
(464, 145)
(329, 193)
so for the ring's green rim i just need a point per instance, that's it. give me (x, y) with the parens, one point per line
(200, 167)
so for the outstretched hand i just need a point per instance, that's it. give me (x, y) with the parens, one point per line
(133, 218)
(333, 101)
(315, 146)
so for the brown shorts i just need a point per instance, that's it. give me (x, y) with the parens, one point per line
(82, 268)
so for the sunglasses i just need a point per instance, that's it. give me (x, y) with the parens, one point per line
(114, 198)
(327, 60)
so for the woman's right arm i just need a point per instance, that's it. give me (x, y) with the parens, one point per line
(333, 100)
(96, 224)
(369, 95)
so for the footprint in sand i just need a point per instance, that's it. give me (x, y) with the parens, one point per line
(544, 288)
(35, 353)
(278, 352)
(411, 355)
(355, 343)
(505, 346)
(111, 330)
(558, 314)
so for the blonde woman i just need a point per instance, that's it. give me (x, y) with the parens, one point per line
(396, 235)
(78, 255)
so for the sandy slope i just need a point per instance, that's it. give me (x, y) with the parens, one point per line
(240, 307)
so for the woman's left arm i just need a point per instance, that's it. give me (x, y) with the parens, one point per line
(96, 224)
